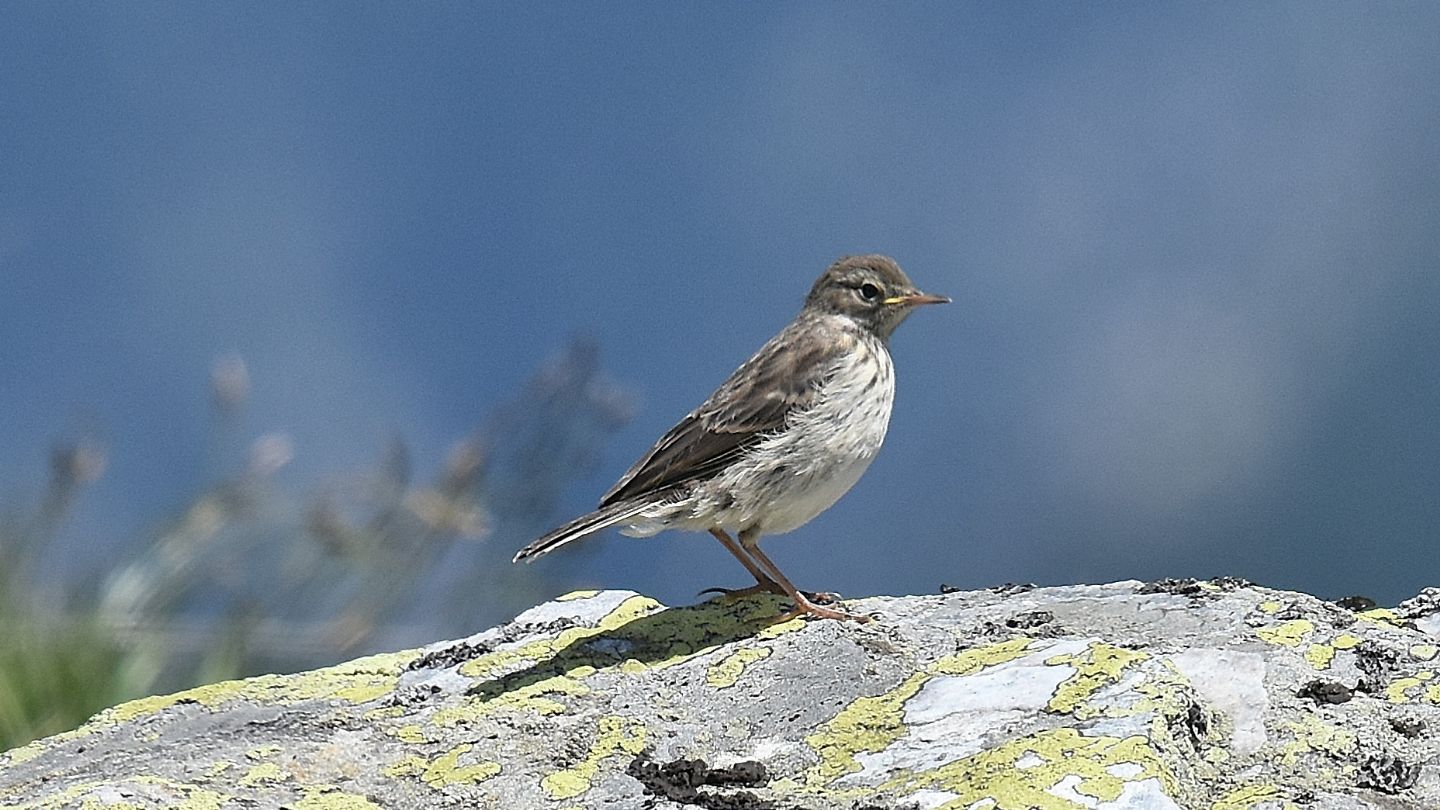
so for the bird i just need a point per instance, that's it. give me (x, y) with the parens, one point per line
(781, 440)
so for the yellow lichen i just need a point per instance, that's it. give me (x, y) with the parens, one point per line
(412, 734)
(1287, 634)
(781, 628)
(358, 681)
(530, 697)
(1423, 652)
(1381, 616)
(409, 765)
(1246, 797)
(494, 664)
(1345, 641)
(82, 795)
(1059, 755)
(523, 677)
(728, 671)
(871, 724)
(26, 753)
(1167, 691)
(447, 770)
(868, 724)
(1100, 664)
(1397, 691)
(615, 735)
(1270, 606)
(664, 637)
(1312, 735)
(264, 773)
(196, 798)
(977, 658)
(329, 797)
(1319, 656)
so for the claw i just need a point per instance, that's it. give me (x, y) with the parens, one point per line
(740, 593)
(804, 607)
(817, 597)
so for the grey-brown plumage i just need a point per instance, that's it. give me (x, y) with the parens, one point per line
(780, 440)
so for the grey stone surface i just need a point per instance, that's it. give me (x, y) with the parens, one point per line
(1217, 695)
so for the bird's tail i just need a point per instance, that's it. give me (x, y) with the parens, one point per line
(582, 526)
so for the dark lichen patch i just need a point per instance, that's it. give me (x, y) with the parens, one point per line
(1293, 611)
(1378, 665)
(1356, 604)
(414, 695)
(1177, 587)
(1387, 774)
(1193, 588)
(1422, 604)
(681, 780)
(1033, 623)
(1407, 725)
(1030, 619)
(1012, 588)
(450, 656)
(519, 631)
(749, 773)
(1326, 692)
(463, 652)
(1191, 723)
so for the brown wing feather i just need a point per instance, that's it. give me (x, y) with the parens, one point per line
(757, 399)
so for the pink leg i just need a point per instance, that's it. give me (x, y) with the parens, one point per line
(763, 583)
(750, 541)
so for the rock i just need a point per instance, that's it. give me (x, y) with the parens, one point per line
(1185, 694)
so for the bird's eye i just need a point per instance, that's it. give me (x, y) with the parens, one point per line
(869, 291)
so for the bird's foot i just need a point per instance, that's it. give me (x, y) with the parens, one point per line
(805, 607)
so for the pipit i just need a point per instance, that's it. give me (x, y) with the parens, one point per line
(781, 440)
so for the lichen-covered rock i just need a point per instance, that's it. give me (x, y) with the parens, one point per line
(1165, 695)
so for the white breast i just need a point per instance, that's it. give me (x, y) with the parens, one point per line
(828, 447)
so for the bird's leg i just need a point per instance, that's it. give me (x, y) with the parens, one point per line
(750, 541)
(763, 583)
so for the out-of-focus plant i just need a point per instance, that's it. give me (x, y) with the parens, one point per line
(57, 666)
(248, 578)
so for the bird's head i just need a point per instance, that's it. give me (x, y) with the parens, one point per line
(871, 290)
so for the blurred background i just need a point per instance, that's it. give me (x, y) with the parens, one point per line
(311, 314)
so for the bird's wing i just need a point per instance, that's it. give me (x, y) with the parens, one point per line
(783, 377)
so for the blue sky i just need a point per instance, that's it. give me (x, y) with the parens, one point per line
(1193, 251)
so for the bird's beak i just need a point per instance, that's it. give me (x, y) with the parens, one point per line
(915, 299)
